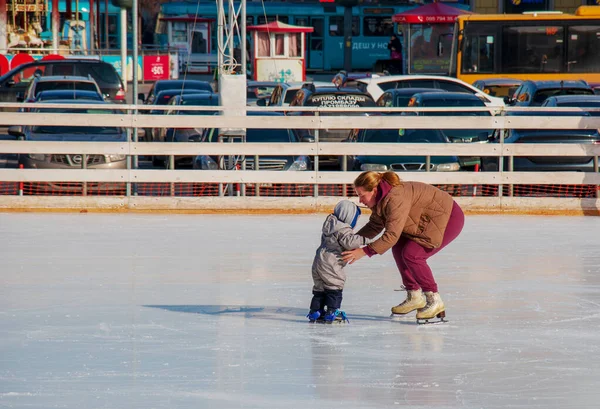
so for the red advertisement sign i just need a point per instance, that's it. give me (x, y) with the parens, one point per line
(156, 67)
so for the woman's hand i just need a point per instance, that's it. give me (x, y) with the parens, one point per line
(351, 256)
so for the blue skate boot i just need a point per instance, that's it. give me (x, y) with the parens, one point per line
(336, 316)
(315, 316)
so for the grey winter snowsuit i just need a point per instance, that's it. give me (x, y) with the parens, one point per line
(337, 236)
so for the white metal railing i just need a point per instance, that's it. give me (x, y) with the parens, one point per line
(317, 122)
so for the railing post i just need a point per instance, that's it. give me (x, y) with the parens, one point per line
(316, 164)
(597, 171)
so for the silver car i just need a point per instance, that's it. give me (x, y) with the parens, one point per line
(72, 133)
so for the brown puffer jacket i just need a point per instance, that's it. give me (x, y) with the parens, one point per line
(416, 210)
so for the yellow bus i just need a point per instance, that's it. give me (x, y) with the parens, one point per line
(528, 46)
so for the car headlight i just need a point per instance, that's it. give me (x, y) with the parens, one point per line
(376, 167)
(204, 162)
(115, 158)
(448, 167)
(300, 164)
(37, 156)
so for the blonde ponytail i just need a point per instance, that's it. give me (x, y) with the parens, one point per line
(370, 180)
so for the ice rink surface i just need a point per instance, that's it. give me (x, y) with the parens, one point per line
(133, 311)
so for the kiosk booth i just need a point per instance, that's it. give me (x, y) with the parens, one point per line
(428, 33)
(191, 36)
(278, 52)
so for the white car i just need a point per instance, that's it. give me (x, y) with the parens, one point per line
(377, 86)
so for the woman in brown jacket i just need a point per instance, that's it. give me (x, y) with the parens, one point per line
(417, 221)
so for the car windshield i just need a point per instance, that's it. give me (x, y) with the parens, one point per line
(261, 91)
(586, 104)
(500, 90)
(66, 85)
(48, 95)
(403, 136)
(542, 95)
(435, 103)
(290, 95)
(270, 135)
(54, 129)
(258, 135)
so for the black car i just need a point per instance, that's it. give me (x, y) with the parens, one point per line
(545, 163)
(162, 98)
(16, 80)
(185, 134)
(575, 101)
(400, 163)
(399, 97)
(534, 93)
(162, 85)
(271, 162)
(452, 100)
(330, 97)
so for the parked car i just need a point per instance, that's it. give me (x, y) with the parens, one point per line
(378, 85)
(498, 87)
(58, 82)
(534, 93)
(596, 87)
(284, 93)
(401, 163)
(68, 94)
(185, 134)
(72, 133)
(399, 97)
(180, 85)
(257, 90)
(537, 136)
(330, 97)
(574, 101)
(268, 162)
(162, 98)
(453, 100)
(16, 80)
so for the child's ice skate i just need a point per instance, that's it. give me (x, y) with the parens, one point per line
(434, 311)
(336, 317)
(316, 316)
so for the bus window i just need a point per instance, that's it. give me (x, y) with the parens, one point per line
(336, 26)
(478, 52)
(583, 45)
(532, 49)
(377, 26)
(301, 21)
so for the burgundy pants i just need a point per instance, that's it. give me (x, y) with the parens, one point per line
(411, 258)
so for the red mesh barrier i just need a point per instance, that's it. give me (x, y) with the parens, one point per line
(276, 190)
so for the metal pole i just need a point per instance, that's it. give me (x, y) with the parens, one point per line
(3, 27)
(124, 47)
(55, 26)
(243, 39)
(348, 38)
(134, 52)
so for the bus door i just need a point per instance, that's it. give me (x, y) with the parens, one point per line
(479, 49)
(316, 44)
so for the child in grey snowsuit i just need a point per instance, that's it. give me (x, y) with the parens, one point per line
(328, 268)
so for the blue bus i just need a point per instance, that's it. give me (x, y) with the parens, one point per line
(372, 28)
